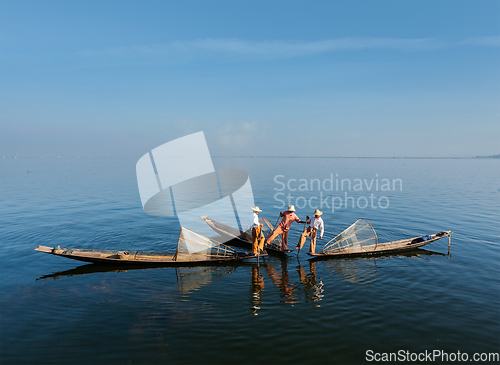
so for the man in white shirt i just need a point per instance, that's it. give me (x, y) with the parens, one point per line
(257, 236)
(315, 224)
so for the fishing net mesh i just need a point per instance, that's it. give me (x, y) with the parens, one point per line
(267, 228)
(356, 238)
(193, 247)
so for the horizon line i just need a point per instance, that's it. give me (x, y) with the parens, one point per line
(336, 157)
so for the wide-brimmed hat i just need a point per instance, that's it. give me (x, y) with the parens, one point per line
(317, 212)
(291, 208)
(256, 209)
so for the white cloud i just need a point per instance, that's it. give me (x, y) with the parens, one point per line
(283, 49)
(482, 41)
(298, 48)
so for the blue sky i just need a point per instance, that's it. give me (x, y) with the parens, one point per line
(307, 78)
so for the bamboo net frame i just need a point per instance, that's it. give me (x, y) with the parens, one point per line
(356, 238)
(267, 228)
(194, 247)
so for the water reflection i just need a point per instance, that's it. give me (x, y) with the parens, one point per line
(306, 287)
(256, 289)
(190, 279)
(363, 270)
(356, 271)
(269, 281)
(312, 287)
(89, 269)
(281, 280)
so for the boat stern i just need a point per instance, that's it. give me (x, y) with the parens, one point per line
(45, 249)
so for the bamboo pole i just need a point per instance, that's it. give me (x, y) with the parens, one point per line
(276, 224)
(274, 228)
(449, 244)
(305, 225)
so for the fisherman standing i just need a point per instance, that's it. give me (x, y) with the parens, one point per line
(315, 224)
(288, 218)
(257, 236)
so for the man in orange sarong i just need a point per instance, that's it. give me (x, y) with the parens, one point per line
(289, 217)
(257, 236)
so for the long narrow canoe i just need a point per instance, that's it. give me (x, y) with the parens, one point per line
(138, 257)
(192, 248)
(382, 248)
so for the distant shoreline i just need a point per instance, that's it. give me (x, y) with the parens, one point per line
(330, 157)
(360, 157)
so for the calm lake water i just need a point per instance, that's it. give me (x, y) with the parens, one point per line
(283, 311)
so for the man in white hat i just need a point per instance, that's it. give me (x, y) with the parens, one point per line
(257, 236)
(315, 224)
(289, 217)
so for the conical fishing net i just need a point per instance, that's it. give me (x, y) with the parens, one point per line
(194, 247)
(358, 237)
(267, 228)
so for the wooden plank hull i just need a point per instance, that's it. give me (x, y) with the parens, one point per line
(383, 248)
(140, 258)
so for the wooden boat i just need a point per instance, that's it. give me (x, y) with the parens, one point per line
(233, 235)
(192, 248)
(360, 239)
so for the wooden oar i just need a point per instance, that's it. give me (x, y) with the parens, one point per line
(258, 251)
(276, 224)
(305, 225)
(449, 244)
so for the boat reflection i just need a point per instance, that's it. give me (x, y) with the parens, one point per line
(363, 270)
(89, 269)
(356, 271)
(269, 280)
(416, 252)
(189, 278)
(309, 287)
